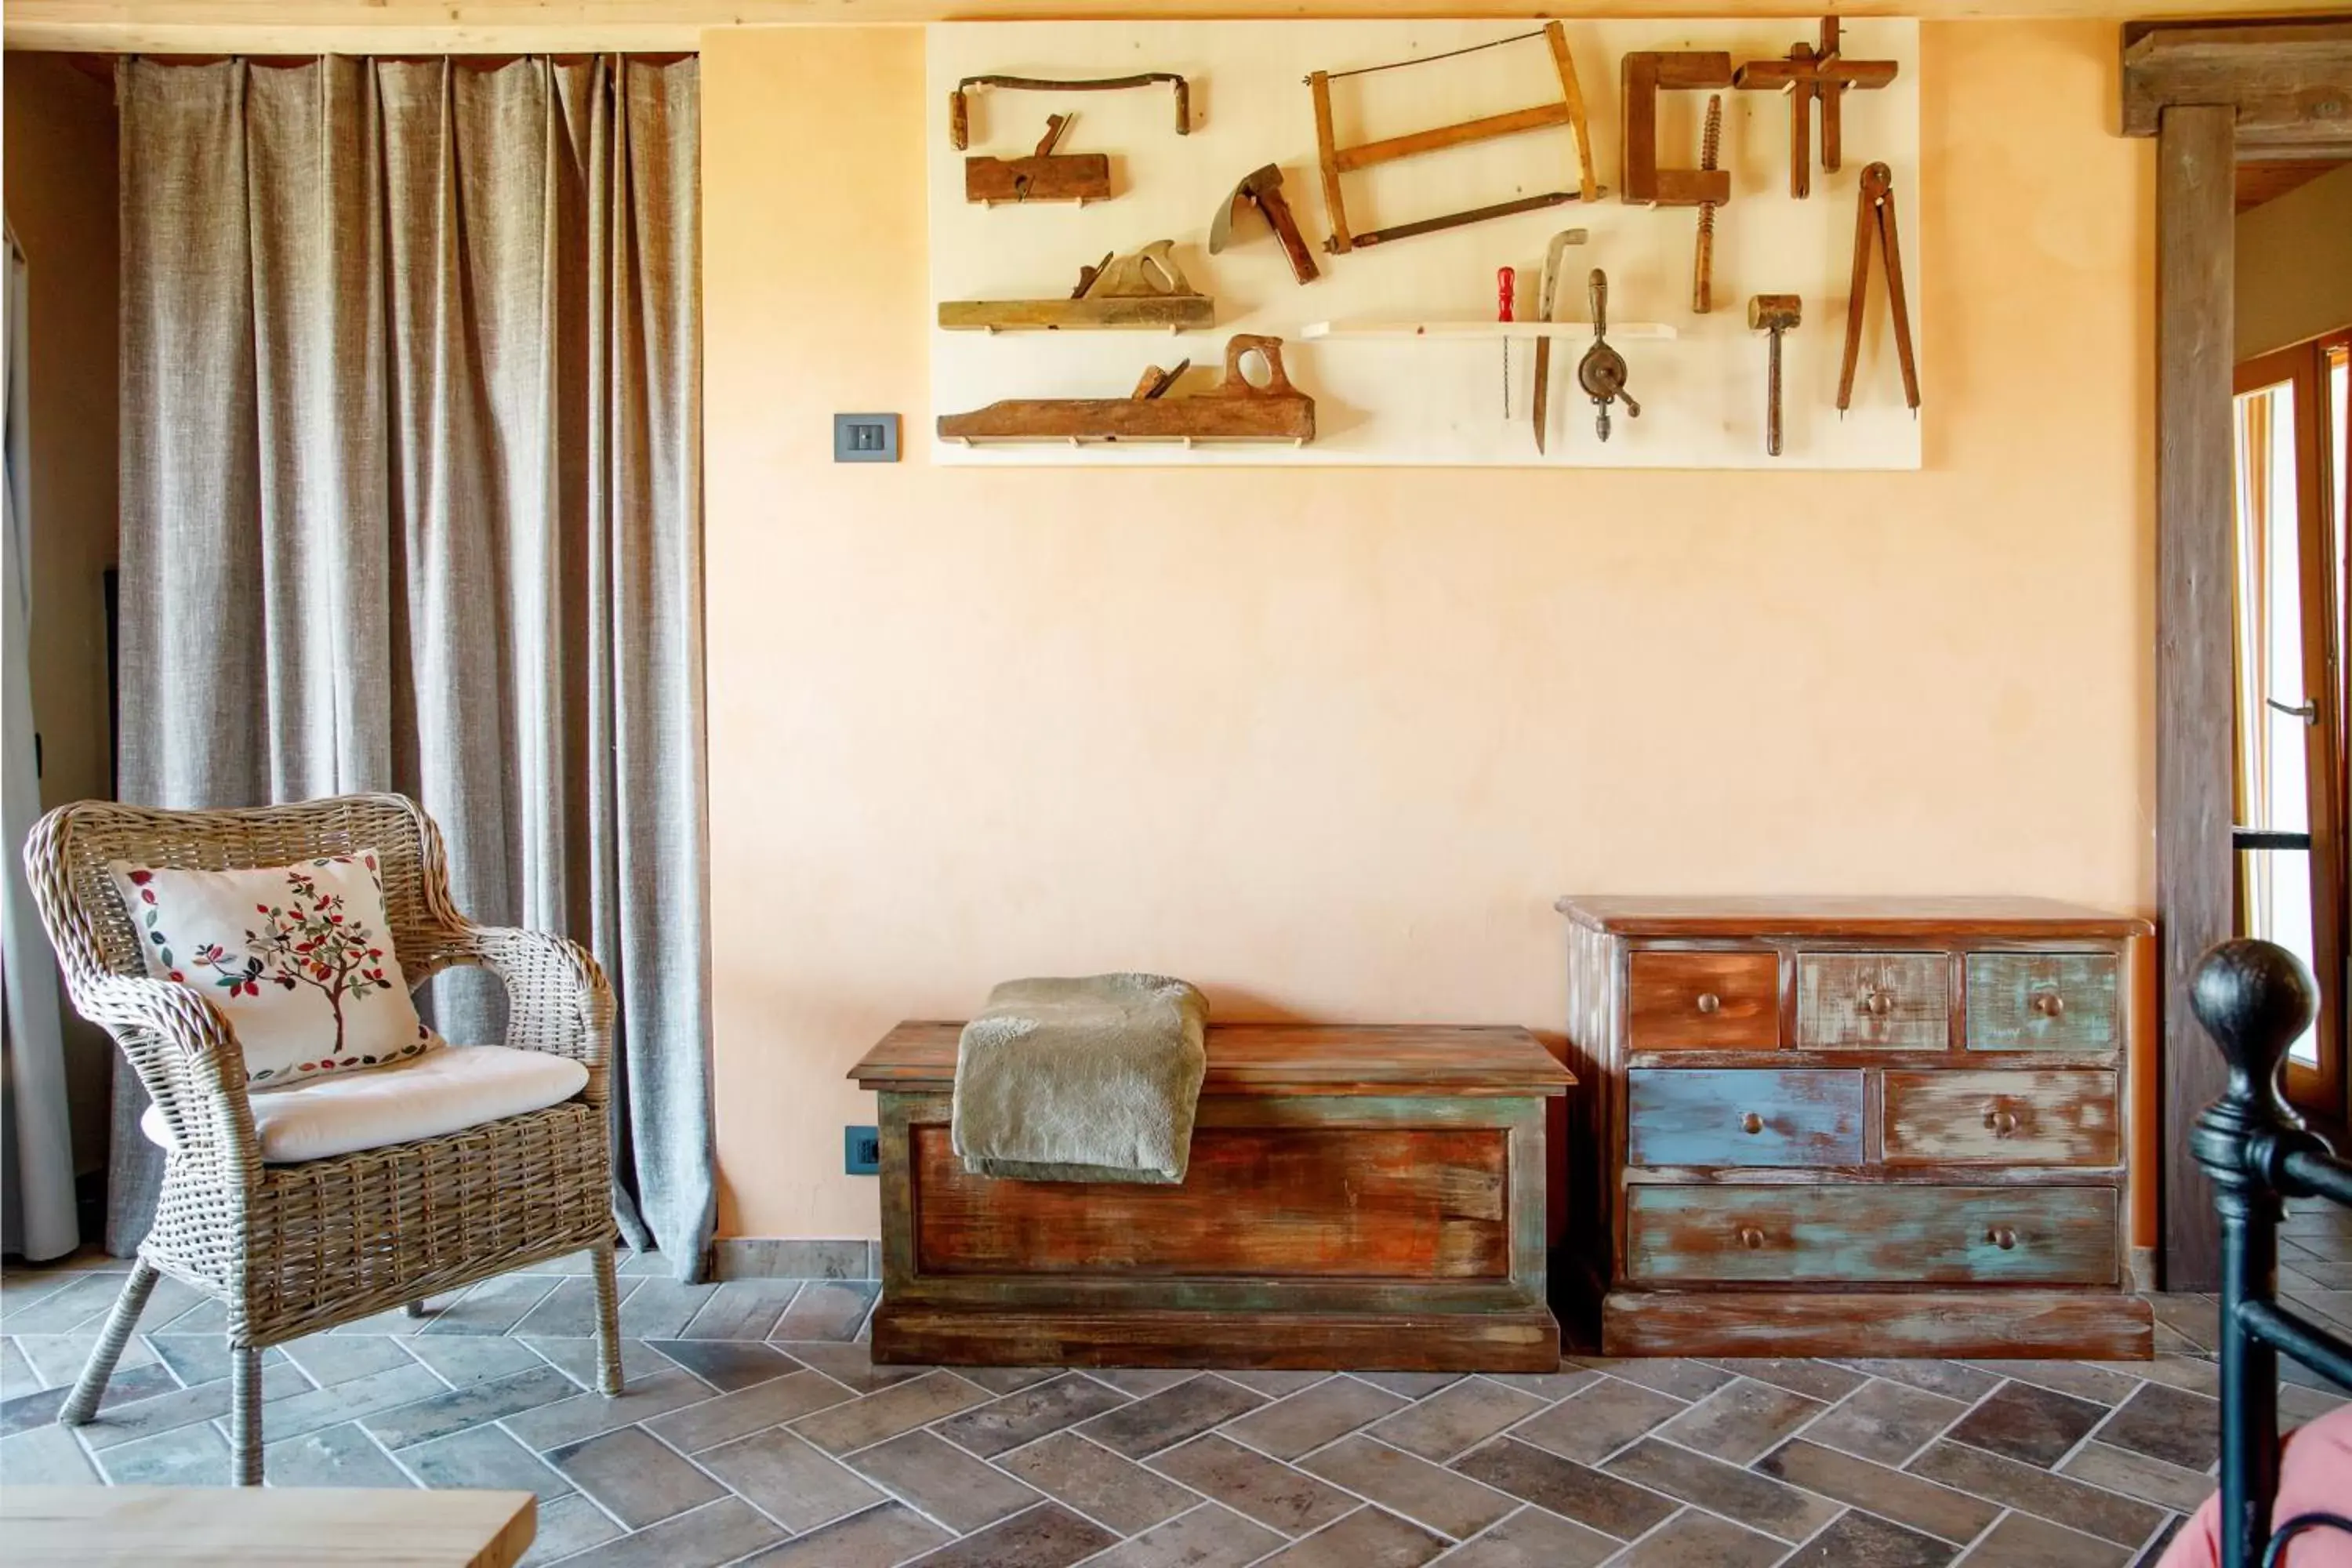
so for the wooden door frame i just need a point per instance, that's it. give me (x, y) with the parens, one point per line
(2212, 93)
(2302, 367)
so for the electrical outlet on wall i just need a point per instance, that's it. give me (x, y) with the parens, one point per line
(864, 438)
(861, 1151)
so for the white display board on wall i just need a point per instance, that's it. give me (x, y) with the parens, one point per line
(1428, 401)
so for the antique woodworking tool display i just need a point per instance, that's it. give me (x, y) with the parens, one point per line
(1703, 254)
(1811, 76)
(1262, 189)
(1643, 75)
(1874, 218)
(959, 113)
(1337, 160)
(1234, 410)
(1602, 370)
(1143, 290)
(1479, 156)
(1044, 175)
(1547, 290)
(1775, 314)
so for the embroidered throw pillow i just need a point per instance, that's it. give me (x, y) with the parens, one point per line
(299, 957)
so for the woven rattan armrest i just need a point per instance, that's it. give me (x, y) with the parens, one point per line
(187, 1052)
(556, 997)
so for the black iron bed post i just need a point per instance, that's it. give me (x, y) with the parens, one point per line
(2255, 999)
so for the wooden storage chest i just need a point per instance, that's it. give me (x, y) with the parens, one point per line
(1359, 1197)
(1846, 1127)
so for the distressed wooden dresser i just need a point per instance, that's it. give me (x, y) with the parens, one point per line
(1357, 1197)
(1833, 1127)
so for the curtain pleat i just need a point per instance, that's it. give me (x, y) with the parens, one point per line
(412, 500)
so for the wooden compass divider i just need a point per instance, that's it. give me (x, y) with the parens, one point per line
(1336, 160)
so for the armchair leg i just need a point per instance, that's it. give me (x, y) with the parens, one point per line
(244, 1416)
(91, 1387)
(414, 1308)
(608, 1321)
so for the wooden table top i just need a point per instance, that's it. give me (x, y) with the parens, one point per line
(256, 1527)
(1286, 1058)
(1644, 915)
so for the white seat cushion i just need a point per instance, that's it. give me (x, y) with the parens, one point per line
(446, 1089)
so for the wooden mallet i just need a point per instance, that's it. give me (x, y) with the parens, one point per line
(1773, 314)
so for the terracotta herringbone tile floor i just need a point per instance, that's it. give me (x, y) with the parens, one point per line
(756, 1430)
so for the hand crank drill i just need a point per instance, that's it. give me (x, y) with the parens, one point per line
(1602, 370)
(1773, 314)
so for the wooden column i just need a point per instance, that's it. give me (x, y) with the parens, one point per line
(2195, 875)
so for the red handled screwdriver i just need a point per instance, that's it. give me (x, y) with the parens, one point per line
(1505, 282)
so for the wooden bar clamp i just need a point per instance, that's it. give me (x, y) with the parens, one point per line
(1644, 75)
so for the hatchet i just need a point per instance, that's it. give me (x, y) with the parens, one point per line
(1262, 189)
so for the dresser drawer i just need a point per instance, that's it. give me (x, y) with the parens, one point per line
(1873, 1001)
(2000, 1118)
(1884, 1234)
(1724, 1001)
(1691, 1117)
(2041, 1001)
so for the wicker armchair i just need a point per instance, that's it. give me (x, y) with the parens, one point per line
(290, 1249)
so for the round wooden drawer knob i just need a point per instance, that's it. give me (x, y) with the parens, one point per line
(2049, 1004)
(1750, 1237)
(1751, 1123)
(2001, 1124)
(1878, 1004)
(2000, 1235)
(1708, 1002)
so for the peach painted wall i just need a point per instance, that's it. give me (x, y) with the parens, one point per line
(1330, 743)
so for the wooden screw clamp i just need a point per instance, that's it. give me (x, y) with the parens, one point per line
(1703, 254)
(1875, 216)
(1643, 75)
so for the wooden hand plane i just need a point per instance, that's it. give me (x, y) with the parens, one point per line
(1234, 411)
(1144, 290)
(1044, 175)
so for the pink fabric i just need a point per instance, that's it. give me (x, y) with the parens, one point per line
(2314, 1476)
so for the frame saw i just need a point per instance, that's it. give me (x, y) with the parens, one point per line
(1337, 160)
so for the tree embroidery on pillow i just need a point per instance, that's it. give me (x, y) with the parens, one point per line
(309, 940)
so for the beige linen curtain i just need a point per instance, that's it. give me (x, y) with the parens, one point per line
(412, 499)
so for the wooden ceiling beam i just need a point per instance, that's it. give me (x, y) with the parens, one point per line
(507, 27)
(2288, 80)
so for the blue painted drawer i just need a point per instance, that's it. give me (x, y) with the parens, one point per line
(1678, 1116)
(1876, 1234)
(2042, 1001)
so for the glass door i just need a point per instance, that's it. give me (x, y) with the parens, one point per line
(2290, 606)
